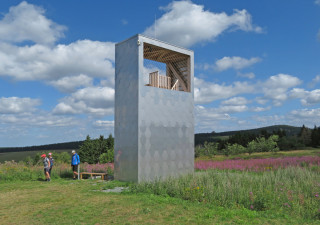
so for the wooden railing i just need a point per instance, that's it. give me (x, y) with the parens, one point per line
(159, 81)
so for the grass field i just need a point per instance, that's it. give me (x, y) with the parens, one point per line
(286, 195)
(83, 202)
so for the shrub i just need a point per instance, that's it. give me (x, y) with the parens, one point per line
(107, 157)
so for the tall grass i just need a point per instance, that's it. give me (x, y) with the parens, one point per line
(11, 170)
(291, 190)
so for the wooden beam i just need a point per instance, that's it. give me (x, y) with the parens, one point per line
(176, 74)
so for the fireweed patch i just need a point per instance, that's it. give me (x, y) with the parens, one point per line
(258, 165)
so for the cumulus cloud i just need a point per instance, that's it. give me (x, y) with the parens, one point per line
(185, 23)
(220, 118)
(15, 105)
(41, 119)
(234, 62)
(314, 81)
(97, 101)
(39, 62)
(235, 101)
(306, 97)
(260, 109)
(276, 87)
(206, 92)
(307, 113)
(69, 84)
(26, 22)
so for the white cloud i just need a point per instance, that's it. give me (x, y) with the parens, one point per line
(276, 87)
(15, 105)
(26, 22)
(124, 22)
(260, 109)
(218, 119)
(314, 81)
(235, 62)
(246, 75)
(317, 2)
(206, 92)
(39, 62)
(41, 119)
(97, 101)
(306, 97)
(232, 109)
(69, 84)
(312, 114)
(185, 24)
(103, 124)
(235, 101)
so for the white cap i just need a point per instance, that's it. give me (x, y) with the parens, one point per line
(73, 151)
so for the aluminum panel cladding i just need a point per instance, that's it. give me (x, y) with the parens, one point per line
(166, 120)
(126, 110)
(154, 123)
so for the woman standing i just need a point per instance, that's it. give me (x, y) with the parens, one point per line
(51, 163)
(46, 165)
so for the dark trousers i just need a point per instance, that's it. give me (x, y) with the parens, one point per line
(50, 170)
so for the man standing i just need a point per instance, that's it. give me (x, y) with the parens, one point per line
(46, 165)
(75, 161)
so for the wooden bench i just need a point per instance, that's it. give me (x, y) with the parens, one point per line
(94, 174)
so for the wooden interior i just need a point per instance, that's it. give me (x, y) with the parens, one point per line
(177, 75)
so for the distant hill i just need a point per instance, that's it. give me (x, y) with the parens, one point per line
(57, 146)
(209, 137)
(199, 138)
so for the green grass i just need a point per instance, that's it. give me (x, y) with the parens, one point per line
(82, 202)
(18, 156)
(292, 191)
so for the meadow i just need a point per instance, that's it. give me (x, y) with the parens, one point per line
(279, 190)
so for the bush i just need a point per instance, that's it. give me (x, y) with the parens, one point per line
(209, 149)
(233, 149)
(107, 157)
(63, 157)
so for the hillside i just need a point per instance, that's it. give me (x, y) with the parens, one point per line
(200, 138)
(57, 146)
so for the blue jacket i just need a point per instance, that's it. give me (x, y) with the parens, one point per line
(75, 160)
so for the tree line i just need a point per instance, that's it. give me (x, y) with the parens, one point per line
(91, 151)
(58, 146)
(265, 141)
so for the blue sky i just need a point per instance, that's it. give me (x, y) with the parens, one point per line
(256, 63)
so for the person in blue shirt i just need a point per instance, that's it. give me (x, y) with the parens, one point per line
(75, 161)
